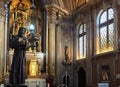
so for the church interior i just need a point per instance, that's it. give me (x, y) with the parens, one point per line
(75, 43)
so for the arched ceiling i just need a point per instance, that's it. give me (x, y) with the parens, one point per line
(68, 5)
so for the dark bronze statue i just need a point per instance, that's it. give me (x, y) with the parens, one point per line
(19, 44)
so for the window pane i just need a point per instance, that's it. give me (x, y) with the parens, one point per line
(110, 13)
(81, 29)
(82, 41)
(81, 46)
(103, 17)
(84, 27)
(111, 36)
(84, 46)
(103, 38)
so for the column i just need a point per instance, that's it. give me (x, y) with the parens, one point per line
(116, 8)
(89, 50)
(58, 58)
(2, 40)
(51, 48)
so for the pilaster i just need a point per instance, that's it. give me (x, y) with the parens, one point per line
(54, 59)
(51, 14)
(2, 40)
(117, 28)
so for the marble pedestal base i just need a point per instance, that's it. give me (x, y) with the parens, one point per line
(35, 82)
(15, 85)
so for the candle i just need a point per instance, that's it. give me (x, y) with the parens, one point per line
(66, 73)
(2, 85)
(48, 85)
(66, 42)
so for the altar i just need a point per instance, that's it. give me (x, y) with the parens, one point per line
(34, 64)
(30, 82)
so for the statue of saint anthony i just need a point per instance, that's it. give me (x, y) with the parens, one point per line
(19, 44)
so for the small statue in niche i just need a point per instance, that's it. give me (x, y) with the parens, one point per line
(66, 54)
(105, 72)
(105, 75)
(19, 43)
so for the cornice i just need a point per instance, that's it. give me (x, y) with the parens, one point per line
(2, 9)
(56, 8)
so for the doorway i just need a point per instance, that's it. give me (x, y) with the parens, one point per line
(81, 77)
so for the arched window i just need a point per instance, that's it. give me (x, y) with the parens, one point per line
(82, 41)
(105, 32)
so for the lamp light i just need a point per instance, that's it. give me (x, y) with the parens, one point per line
(32, 28)
(33, 5)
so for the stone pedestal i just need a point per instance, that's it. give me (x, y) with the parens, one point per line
(15, 85)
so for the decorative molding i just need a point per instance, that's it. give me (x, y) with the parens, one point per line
(56, 8)
(117, 76)
(2, 10)
(80, 64)
(118, 2)
(35, 82)
(109, 66)
(2, 19)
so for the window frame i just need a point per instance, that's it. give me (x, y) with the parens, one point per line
(83, 34)
(104, 24)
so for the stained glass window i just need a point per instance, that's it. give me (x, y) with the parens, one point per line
(82, 41)
(106, 31)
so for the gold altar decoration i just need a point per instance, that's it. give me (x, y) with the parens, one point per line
(33, 68)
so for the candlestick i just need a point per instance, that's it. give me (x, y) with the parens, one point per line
(66, 78)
